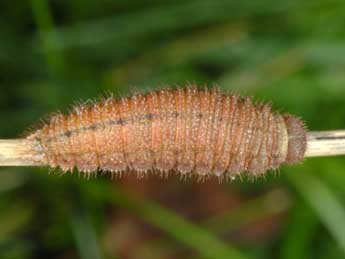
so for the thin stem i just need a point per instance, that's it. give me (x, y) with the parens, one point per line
(16, 152)
(326, 143)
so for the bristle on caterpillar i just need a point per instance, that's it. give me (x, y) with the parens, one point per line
(187, 130)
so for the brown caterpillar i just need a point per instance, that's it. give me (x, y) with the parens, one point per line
(191, 131)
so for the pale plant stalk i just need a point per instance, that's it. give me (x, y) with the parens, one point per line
(15, 152)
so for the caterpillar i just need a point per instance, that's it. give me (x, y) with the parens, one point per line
(192, 131)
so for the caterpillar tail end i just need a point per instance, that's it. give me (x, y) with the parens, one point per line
(297, 139)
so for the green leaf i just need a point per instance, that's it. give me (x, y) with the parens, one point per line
(324, 202)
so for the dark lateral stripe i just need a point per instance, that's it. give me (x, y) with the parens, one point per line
(121, 121)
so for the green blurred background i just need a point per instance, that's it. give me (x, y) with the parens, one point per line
(56, 53)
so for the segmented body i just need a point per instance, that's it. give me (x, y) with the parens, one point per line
(202, 132)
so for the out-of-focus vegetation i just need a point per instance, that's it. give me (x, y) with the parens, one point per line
(54, 53)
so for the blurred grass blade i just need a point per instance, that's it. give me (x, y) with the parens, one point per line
(85, 236)
(298, 240)
(142, 22)
(14, 220)
(272, 203)
(206, 244)
(44, 20)
(325, 203)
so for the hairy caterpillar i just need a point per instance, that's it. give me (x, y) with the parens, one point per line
(187, 130)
